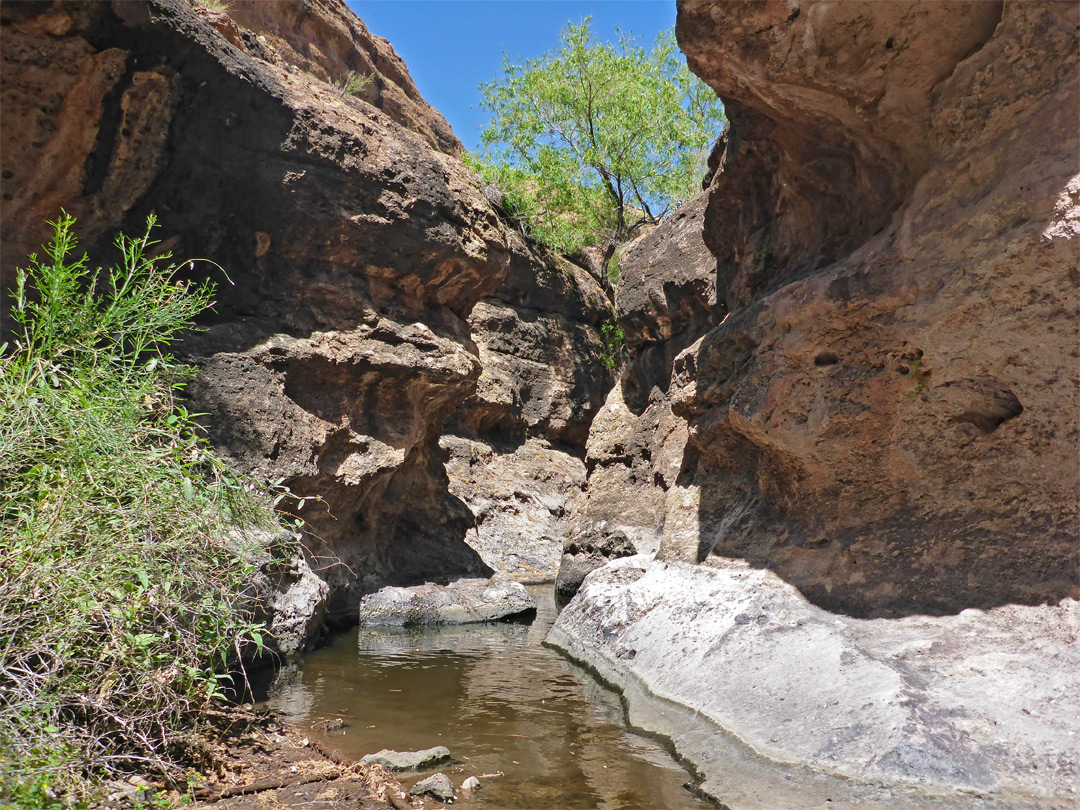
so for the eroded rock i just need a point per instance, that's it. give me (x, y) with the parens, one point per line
(894, 217)
(928, 709)
(521, 495)
(356, 245)
(665, 300)
(459, 602)
(437, 785)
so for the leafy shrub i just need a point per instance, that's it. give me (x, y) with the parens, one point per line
(353, 84)
(550, 205)
(614, 341)
(128, 545)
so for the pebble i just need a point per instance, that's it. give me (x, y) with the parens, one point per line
(470, 784)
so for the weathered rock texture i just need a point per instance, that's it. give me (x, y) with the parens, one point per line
(894, 431)
(409, 760)
(521, 497)
(882, 425)
(459, 602)
(921, 712)
(356, 246)
(515, 446)
(664, 301)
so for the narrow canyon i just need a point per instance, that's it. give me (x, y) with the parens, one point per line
(820, 528)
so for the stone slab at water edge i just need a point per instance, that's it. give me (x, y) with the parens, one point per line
(779, 703)
(460, 602)
(408, 760)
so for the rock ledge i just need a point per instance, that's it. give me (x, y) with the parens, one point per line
(460, 602)
(779, 703)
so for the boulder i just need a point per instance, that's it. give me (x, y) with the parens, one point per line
(437, 786)
(779, 703)
(459, 602)
(585, 553)
(408, 760)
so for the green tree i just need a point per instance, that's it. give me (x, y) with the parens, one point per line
(594, 139)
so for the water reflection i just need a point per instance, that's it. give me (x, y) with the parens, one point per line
(499, 701)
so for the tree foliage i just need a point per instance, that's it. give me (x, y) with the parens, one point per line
(594, 139)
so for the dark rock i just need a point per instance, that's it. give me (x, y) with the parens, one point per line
(585, 553)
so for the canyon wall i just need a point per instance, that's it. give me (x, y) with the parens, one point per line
(854, 425)
(515, 447)
(886, 416)
(351, 246)
(887, 419)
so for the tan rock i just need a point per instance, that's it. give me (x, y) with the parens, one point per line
(895, 431)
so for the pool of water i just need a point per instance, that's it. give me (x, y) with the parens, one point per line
(499, 700)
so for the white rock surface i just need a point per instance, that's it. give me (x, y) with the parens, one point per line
(521, 498)
(744, 675)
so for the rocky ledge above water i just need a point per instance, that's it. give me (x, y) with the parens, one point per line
(779, 703)
(461, 601)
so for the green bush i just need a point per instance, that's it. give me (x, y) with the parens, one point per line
(128, 544)
(614, 341)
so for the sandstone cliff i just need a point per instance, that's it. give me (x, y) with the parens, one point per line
(888, 417)
(665, 300)
(516, 446)
(356, 246)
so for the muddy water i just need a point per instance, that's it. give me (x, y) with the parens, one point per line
(501, 703)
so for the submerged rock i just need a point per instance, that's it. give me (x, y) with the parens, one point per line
(408, 760)
(437, 785)
(460, 602)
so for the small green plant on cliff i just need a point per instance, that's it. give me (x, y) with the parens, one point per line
(761, 258)
(128, 544)
(353, 84)
(614, 341)
(919, 375)
(593, 140)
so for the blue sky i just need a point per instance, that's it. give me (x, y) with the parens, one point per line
(451, 46)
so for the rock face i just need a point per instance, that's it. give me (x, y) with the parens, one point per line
(893, 431)
(913, 712)
(873, 415)
(521, 497)
(515, 446)
(356, 246)
(636, 452)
